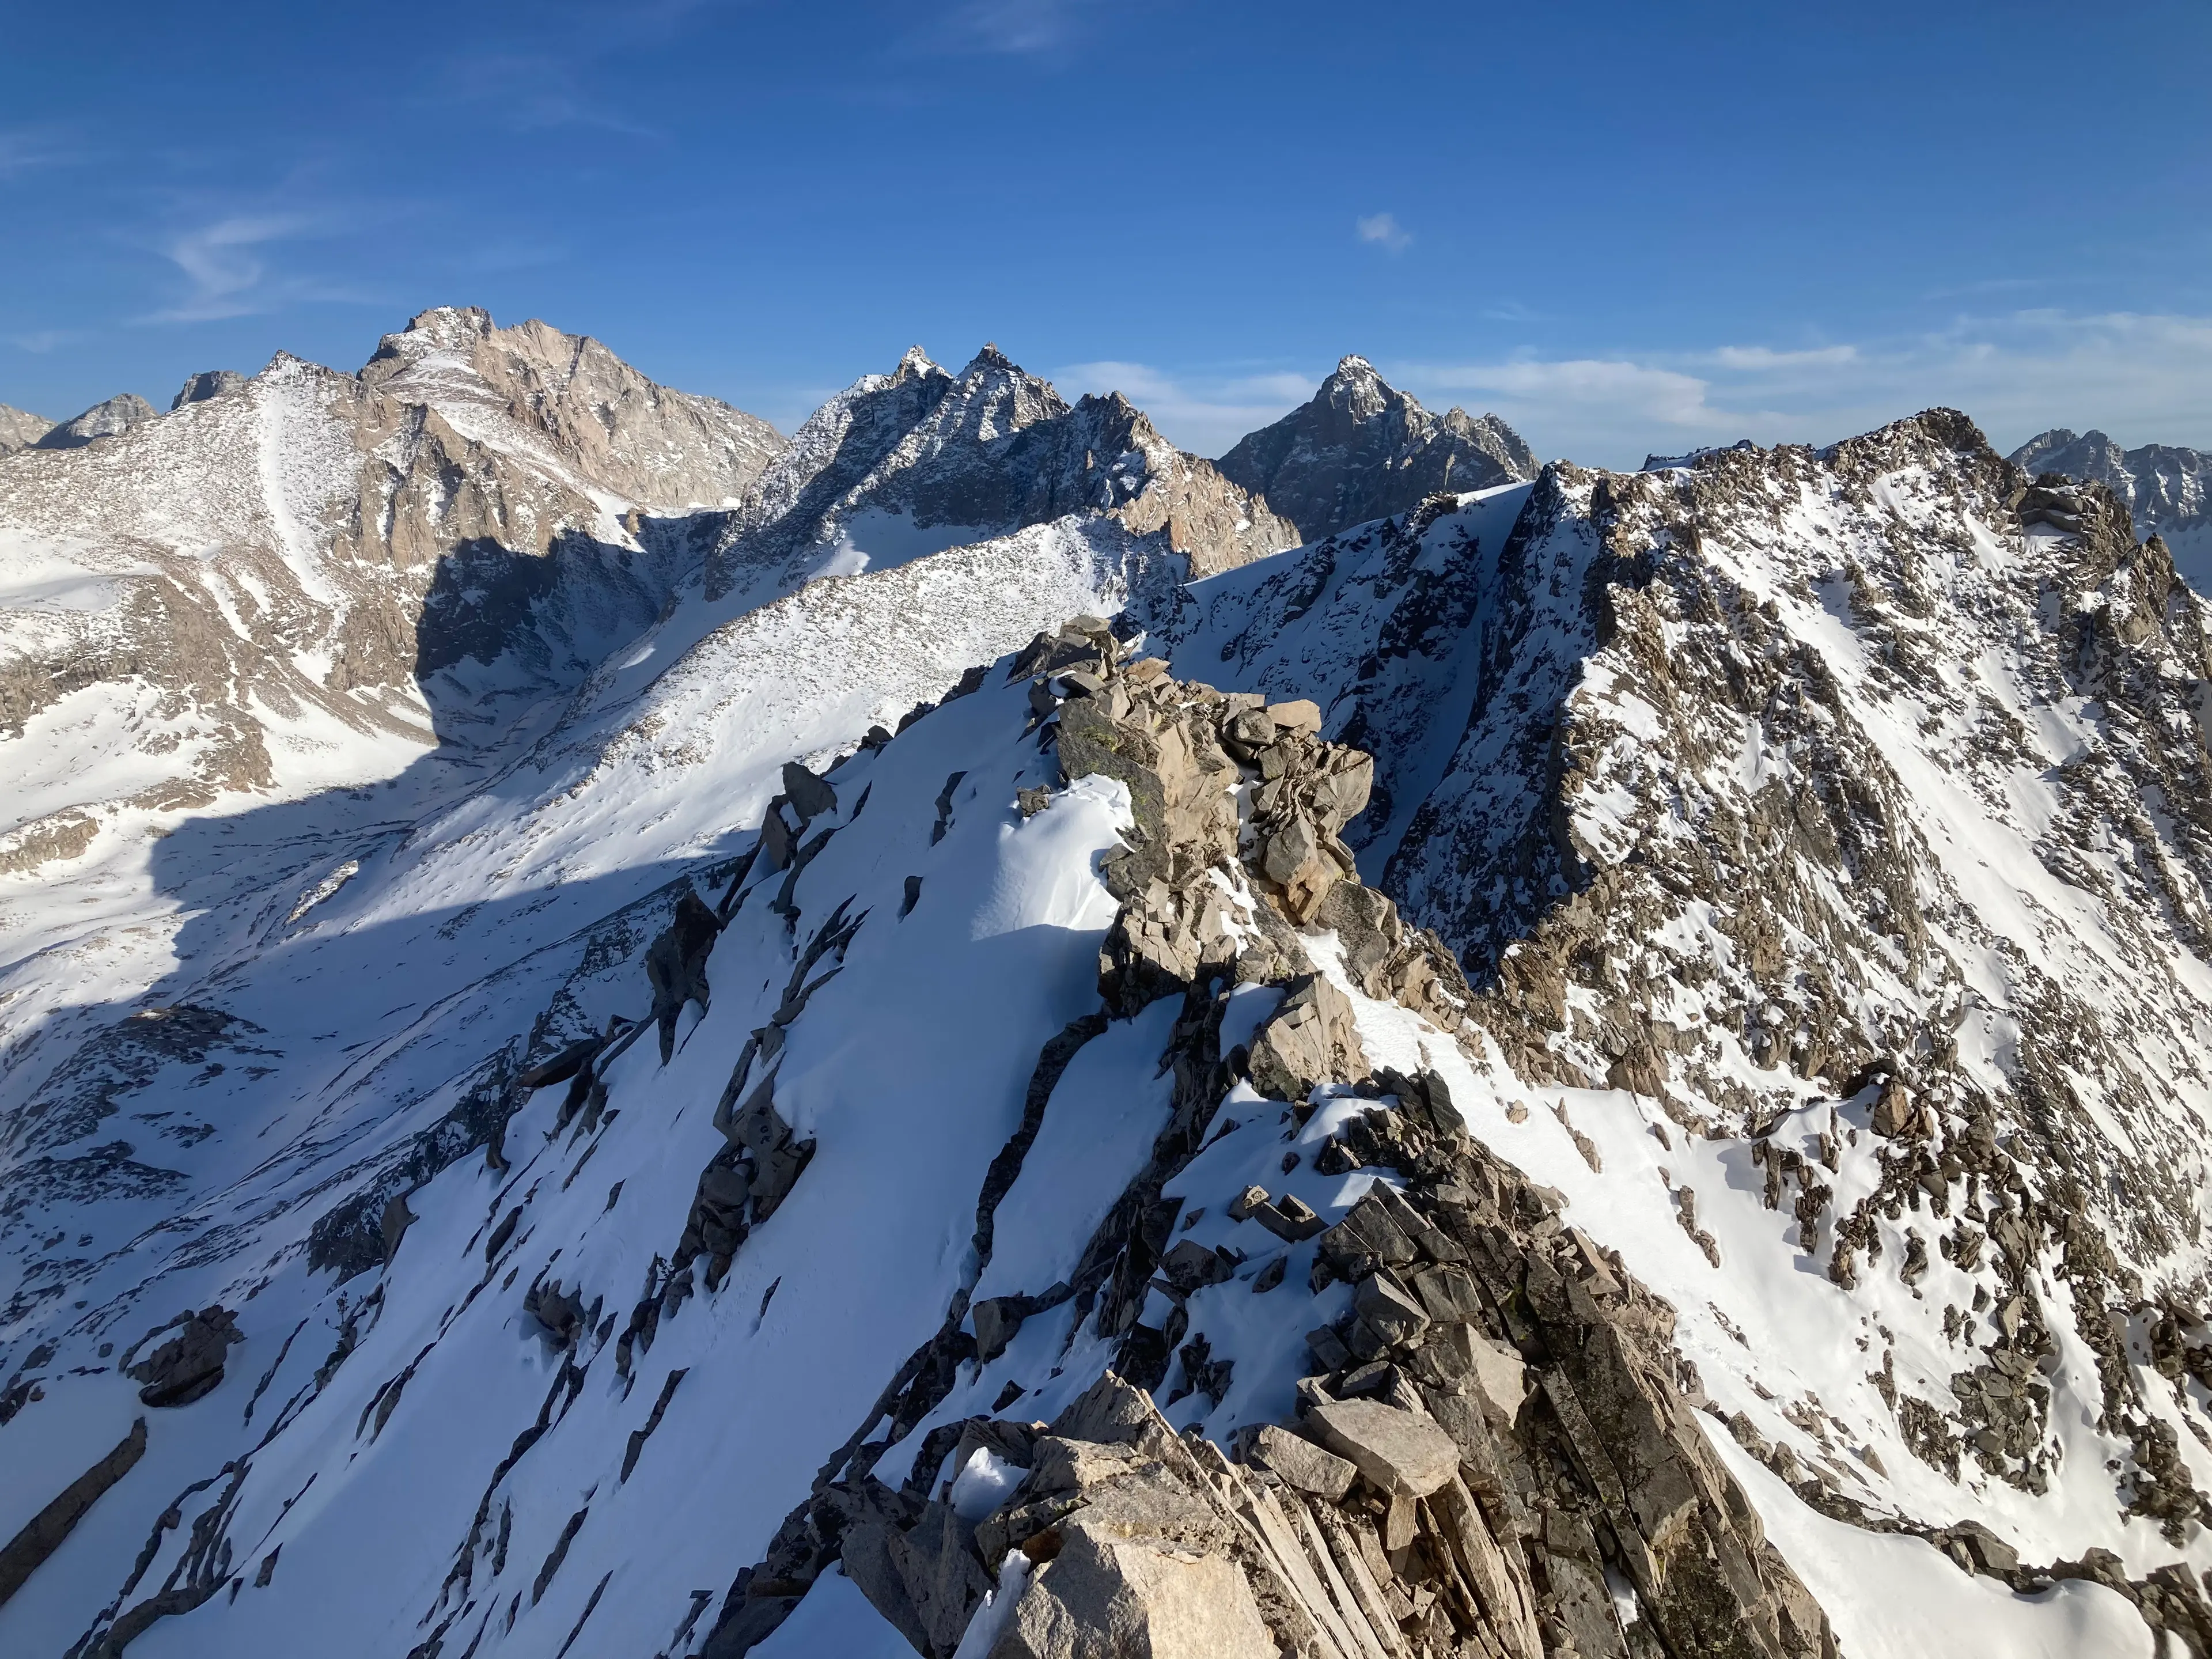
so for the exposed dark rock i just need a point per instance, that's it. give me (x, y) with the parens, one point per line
(42, 1535)
(1360, 450)
(675, 965)
(208, 383)
(190, 1363)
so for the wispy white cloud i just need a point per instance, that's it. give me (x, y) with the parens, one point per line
(41, 340)
(227, 265)
(222, 263)
(1014, 28)
(1205, 414)
(1384, 230)
(1760, 358)
(26, 149)
(2142, 377)
(534, 91)
(1611, 388)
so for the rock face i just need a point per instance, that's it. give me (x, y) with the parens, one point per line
(2166, 489)
(663, 449)
(182, 1368)
(208, 383)
(42, 1534)
(906, 463)
(118, 413)
(20, 428)
(1361, 449)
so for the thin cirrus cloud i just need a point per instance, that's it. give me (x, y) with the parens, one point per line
(227, 266)
(1204, 414)
(26, 149)
(1383, 230)
(2141, 377)
(1011, 28)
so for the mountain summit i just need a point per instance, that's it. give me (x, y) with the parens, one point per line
(1361, 449)
(922, 459)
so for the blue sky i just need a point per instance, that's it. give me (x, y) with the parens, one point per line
(1625, 227)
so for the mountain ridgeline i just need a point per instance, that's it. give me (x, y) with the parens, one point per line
(967, 1034)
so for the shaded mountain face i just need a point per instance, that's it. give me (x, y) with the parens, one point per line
(208, 383)
(1361, 449)
(2167, 490)
(19, 429)
(907, 464)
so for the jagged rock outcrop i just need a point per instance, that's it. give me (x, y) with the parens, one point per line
(43, 1533)
(208, 383)
(179, 1368)
(1361, 449)
(1496, 1423)
(104, 420)
(906, 463)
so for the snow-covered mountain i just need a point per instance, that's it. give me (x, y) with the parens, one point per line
(2166, 488)
(1825, 836)
(1361, 449)
(1627, 1084)
(904, 464)
(306, 579)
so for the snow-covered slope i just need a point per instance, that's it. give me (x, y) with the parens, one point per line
(310, 577)
(2166, 488)
(1361, 449)
(636, 1183)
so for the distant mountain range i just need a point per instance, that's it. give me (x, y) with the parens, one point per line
(971, 1035)
(2167, 490)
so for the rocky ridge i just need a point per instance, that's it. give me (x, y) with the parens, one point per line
(1421, 1379)
(1793, 832)
(2167, 490)
(1360, 449)
(909, 463)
